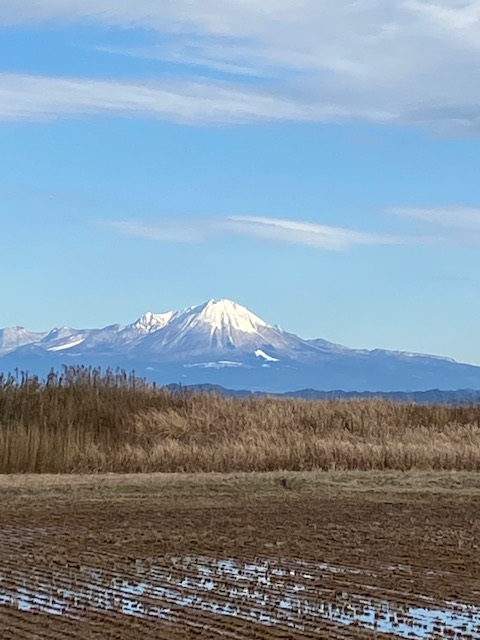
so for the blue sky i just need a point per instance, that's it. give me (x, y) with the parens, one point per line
(316, 162)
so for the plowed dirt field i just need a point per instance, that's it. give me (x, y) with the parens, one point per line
(334, 555)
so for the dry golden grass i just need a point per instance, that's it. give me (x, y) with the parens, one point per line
(86, 422)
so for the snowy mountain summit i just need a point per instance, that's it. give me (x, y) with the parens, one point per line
(215, 328)
(224, 320)
(222, 342)
(225, 316)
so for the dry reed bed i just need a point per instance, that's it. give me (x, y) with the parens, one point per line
(86, 421)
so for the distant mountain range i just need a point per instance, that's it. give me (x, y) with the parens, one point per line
(222, 343)
(432, 396)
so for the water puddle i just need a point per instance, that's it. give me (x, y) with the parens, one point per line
(285, 594)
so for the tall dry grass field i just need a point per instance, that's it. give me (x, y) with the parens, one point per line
(85, 421)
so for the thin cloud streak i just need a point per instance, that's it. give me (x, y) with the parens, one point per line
(462, 230)
(457, 227)
(278, 230)
(304, 233)
(463, 218)
(26, 97)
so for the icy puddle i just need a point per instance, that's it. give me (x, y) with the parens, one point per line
(285, 594)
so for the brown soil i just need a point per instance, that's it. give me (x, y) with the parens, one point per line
(246, 556)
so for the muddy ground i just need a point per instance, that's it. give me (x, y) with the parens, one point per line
(334, 555)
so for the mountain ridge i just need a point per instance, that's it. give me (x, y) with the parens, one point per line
(431, 396)
(222, 342)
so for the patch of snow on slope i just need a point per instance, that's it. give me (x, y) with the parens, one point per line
(261, 354)
(215, 365)
(69, 345)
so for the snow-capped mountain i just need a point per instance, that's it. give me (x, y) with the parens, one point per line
(13, 337)
(222, 342)
(222, 329)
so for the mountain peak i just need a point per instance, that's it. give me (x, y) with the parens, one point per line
(12, 338)
(223, 313)
(153, 321)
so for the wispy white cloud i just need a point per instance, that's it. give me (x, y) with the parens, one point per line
(304, 233)
(410, 61)
(280, 230)
(445, 227)
(404, 61)
(25, 97)
(461, 218)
